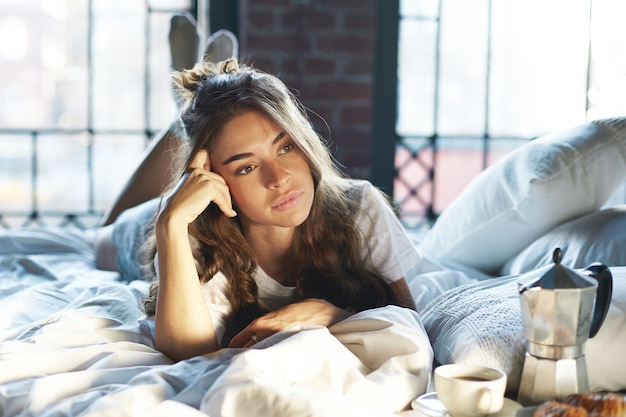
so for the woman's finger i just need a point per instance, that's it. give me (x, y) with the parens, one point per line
(225, 204)
(245, 337)
(213, 187)
(200, 160)
(220, 193)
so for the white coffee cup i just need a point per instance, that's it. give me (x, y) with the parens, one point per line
(470, 390)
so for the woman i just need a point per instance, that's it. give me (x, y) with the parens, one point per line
(261, 232)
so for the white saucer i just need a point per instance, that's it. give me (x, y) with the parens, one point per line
(429, 405)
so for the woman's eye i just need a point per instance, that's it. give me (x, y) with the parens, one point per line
(246, 170)
(288, 147)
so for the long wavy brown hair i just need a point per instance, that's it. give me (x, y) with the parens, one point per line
(327, 249)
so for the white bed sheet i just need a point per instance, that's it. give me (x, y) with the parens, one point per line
(74, 342)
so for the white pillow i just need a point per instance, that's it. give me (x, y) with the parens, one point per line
(596, 237)
(481, 324)
(538, 186)
(478, 324)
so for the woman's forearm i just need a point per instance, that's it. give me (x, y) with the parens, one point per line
(183, 326)
(310, 311)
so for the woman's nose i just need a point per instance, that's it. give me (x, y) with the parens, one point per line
(276, 175)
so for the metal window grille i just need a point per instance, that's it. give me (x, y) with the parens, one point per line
(89, 88)
(478, 79)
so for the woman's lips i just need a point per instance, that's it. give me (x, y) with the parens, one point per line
(288, 201)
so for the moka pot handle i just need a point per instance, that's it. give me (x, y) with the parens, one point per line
(604, 292)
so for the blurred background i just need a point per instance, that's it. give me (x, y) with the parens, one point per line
(418, 96)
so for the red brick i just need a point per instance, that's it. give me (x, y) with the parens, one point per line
(262, 20)
(273, 43)
(356, 115)
(348, 4)
(340, 90)
(346, 44)
(352, 137)
(320, 66)
(254, 5)
(290, 21)
(359, 66)
(359, 21)
(356, 163)
(308, 19)
(322, 20)
(312, 68)
(291, 64)
(357, 157)
(268, 65)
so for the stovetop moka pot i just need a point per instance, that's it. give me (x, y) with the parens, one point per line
(561, 308)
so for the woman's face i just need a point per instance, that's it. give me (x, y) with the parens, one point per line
(269, 179)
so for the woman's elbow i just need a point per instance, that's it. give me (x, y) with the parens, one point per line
(181, 350)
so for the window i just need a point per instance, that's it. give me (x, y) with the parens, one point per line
(477, 79)
(85, 86)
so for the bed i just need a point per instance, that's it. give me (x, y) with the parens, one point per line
(74, 340)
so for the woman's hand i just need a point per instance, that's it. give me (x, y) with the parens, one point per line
(310, 311)
(197, 188)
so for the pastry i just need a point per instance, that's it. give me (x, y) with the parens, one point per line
(608, 404)
(559, 409)
(592, 404)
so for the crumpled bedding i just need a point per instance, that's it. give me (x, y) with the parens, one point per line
(75, 342)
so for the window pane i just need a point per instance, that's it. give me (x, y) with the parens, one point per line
(16, 173)
(46, 57)
(119, 50)
(519, 70)
(607, 96)
(161, 103)
(464, 41)
(76, 70)
(62, 173)
(419, 8)
(115, 157)
(169, 4)
(539, 66)
(416, 77)
(458, 162)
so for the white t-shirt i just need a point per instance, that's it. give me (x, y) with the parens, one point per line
(392, 254)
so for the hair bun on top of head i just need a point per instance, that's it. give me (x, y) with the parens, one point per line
(229, 66)
(187, 82)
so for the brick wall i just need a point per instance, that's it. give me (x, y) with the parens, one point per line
(324, 49)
